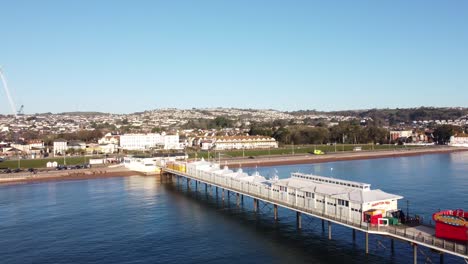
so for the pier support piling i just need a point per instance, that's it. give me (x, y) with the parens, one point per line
(298, 220)
(441, 258)
(329, 230)
(222, 194)
(354, 234)
(255, 204)
(323, 225)
(392, 245)
(367, 243)
(242, 198)
(415, 253)
(275, 211)
(237, 199)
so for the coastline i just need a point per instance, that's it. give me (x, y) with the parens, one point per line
(82, 174)
(262, 161)
(333, 157)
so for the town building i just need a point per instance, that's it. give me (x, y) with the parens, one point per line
(109, 138)
(395, 135)
(76, 145)
(149, 141)
(60, 147)
(460, 140)
(239, 142)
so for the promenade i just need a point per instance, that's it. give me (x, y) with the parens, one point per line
(276, 160)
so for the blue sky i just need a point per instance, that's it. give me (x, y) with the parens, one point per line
(127, 56)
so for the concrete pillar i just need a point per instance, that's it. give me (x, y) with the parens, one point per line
(415, 253)
(275, 210)
(367, 243)
(298, 220)
(222, 194)
(237, 199)
(329, 230)
(255, 205)
(354, 234)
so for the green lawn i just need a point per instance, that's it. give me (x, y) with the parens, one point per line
(294, 149)
(42, 163)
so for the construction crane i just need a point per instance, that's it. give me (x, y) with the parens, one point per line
(20, 111)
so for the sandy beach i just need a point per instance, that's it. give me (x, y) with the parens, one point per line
(43, 176)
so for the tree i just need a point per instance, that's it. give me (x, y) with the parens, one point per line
(282, 135)
(222, 122)
(443, 133)
(376, 134)
(261, 131)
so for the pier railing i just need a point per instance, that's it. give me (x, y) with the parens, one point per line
(400, 232)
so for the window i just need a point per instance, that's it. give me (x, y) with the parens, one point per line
(343, 203)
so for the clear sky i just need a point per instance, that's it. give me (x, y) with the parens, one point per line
(127, 56)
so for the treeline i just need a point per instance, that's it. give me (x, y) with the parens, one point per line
(344, 132)
(218, 122)
(83, 135)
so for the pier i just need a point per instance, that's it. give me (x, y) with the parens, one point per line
(418, 236)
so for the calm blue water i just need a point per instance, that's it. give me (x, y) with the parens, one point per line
(140, 220)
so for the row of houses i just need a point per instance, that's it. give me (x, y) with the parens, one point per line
(33, 148)
(235, 142)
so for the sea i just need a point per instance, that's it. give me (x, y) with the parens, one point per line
(142, 219)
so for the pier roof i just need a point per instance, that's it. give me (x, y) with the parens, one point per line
(337, 191)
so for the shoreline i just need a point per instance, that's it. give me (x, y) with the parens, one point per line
(262, 161)
(333, 157)
(83, 174)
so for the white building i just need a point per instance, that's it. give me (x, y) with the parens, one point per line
(244, 142)
(149, 141)
(109, 139)
(60, 146)
(459, 140)
(171, 142)
(109, 148)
